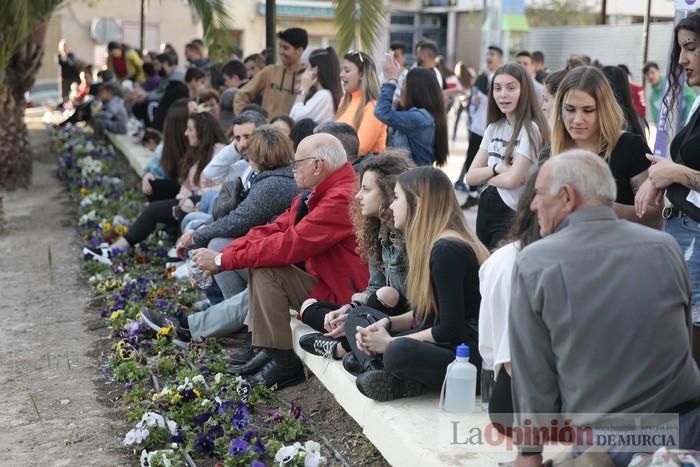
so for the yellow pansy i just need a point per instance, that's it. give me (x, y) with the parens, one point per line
(116, 315)
(165, 331)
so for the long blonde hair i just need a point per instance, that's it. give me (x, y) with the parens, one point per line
(432, 209)
(369, 86)
(593, 82)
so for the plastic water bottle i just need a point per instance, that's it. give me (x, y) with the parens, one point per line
(459, 387)
(202, 281)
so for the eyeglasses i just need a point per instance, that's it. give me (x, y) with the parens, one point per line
(295, 163)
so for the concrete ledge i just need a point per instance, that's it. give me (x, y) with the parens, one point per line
(407, 432)
(135, 153)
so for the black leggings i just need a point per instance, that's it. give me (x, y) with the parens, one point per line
(315, 314)
(155, 212)
(408, 358)
(501, 402)
(163, 188)
(493, 219)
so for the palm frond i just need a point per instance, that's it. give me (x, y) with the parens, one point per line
(18, 20)
(359, 23)
(214, 15)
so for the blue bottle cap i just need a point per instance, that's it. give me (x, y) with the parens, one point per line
(463, 351)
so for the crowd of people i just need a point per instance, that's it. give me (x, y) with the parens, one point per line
(313, 185)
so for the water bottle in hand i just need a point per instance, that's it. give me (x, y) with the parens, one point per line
(201, 280)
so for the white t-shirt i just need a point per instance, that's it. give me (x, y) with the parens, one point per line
(495, 140)
(319, 107)
(495, 279)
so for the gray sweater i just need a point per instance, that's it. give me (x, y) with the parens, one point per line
(270, 194)
(600, 322)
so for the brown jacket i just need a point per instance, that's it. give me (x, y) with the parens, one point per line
(278, 87)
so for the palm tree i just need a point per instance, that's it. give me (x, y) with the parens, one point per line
(23, 26)
(360, 23)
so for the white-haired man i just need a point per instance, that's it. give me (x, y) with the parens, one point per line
(309, 251)
(599, 317)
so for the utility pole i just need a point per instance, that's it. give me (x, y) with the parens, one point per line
(142, 25)
(270, 20)
(645, 50)
(603, 12)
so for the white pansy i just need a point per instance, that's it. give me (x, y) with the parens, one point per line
(314, 459)
(172, 426)
(312, 446)
(217, 378)
(285, 454)
(135, 436)
(88, 216)
(199, 379)
(153, 419)
(145, 461)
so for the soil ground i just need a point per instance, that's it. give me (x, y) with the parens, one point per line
(56, 409)
(49, 411)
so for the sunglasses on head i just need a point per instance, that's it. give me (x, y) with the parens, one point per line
(358, 53)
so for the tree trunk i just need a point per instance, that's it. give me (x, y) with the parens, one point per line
(15, 152)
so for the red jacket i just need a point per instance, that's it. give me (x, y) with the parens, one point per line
(324, 240)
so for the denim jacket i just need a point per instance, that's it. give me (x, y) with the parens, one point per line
(391, 271)
(414, 129)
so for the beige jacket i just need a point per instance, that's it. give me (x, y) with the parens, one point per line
(276, 84)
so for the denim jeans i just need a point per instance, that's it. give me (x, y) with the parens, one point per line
(686, 231)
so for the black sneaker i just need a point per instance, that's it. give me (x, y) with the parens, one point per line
(470, 202)
(157, 321)
(318, 344)
(381, 386)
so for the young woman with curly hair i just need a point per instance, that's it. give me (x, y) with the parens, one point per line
(379, 242)
(403, 355)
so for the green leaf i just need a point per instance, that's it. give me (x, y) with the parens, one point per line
(359, 24)
(18, 20)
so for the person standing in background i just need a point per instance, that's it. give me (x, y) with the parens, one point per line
(70, 69)
(657, 84)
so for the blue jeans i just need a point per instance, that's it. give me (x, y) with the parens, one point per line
(686, 231)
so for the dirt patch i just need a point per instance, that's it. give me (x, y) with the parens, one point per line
(49, 413)
(329, 419)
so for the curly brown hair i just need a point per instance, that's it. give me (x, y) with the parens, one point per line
(387, 166)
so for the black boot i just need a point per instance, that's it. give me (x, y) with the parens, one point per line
(260, 359)
(284, 369)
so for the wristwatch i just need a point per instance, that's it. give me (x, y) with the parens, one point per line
(217, 260)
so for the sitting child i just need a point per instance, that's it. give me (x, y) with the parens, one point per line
(112, 114)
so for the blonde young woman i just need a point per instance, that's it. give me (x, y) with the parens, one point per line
(358, 75)
(586, 115)
(442, 287)
(516, 132)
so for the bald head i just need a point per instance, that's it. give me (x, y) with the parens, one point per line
(326, 147)
(317, 157)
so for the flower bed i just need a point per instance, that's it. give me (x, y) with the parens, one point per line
(183, 405)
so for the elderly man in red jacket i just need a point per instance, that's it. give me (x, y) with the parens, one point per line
(309, 251)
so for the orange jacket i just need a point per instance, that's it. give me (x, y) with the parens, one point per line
(372, 132)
